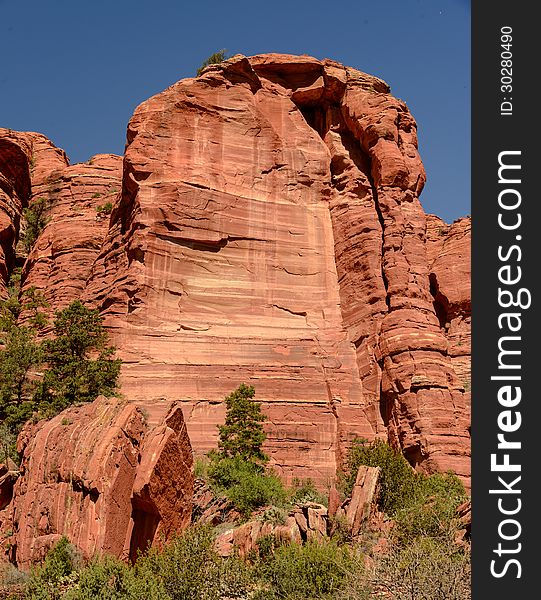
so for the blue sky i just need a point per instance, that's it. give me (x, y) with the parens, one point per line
(75, 70)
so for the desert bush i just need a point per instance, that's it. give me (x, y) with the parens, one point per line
(188, 568)
(422, 505)
(316, 570)
(213, 59)
(57, 572)
(432, 512)
(304, 491)
(112, 579)
(397, 480)
(425, 569)
(246, 484)
(105, 209)
(36, 220)
(201, 467)
(275, 515)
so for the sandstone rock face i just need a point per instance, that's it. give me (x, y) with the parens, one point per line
(61, 260)
(449, 257)
(15, 190)
(268, 230)
(360, 507)
(110, 476)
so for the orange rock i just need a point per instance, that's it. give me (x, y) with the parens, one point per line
(15, 190)
(363, 498)
(268, 230)
(103, 476)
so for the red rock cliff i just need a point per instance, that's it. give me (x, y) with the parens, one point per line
(268, 230)
(111, 476)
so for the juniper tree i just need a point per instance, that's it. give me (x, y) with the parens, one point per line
(79, 359)
(242, 434)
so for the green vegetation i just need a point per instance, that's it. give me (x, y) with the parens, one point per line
(242, 435)
(20, 355)
(247, 485)
(315, 570)
(422, 505)
(237, 470)
(423, 561)
(188, 568)
(79, 359)
(305, 491)
(39, 378)
(213, 59)
(105, 209)
(426, 569)
(397, 481)
(36, 219)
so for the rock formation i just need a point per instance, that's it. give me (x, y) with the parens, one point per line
(267, 230)
(305, 522)
(111, 476)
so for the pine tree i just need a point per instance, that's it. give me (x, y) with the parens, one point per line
(242, 434)
(79, 359)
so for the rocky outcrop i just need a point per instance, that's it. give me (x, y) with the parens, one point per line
(361, 506)
(78, 200)
(15, 191)
(268, 230)
(109, 475)
(449, 258)
(306, 522)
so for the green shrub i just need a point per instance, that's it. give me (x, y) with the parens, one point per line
(36, 219)
(246, 484)
(305, 491)
(397, 480)
(426, 569)
(105, 209)
(213, 59)
(188, 568)
(432, 513)
(316, 570)
(422, 505)
(111, 579)
(56, 572)
(201, 467)
(275, 515)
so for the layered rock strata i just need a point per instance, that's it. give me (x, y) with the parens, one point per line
(15, 192)
(111, 476)
(78, 200)
(268, 230)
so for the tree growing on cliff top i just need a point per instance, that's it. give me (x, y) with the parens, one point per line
(213, 59)
(242, 434)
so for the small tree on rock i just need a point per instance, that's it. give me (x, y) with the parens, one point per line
(213, 59)
(79, 359)
(242, 434)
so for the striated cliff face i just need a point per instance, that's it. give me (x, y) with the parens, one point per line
(267, 229)
(110, 475)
